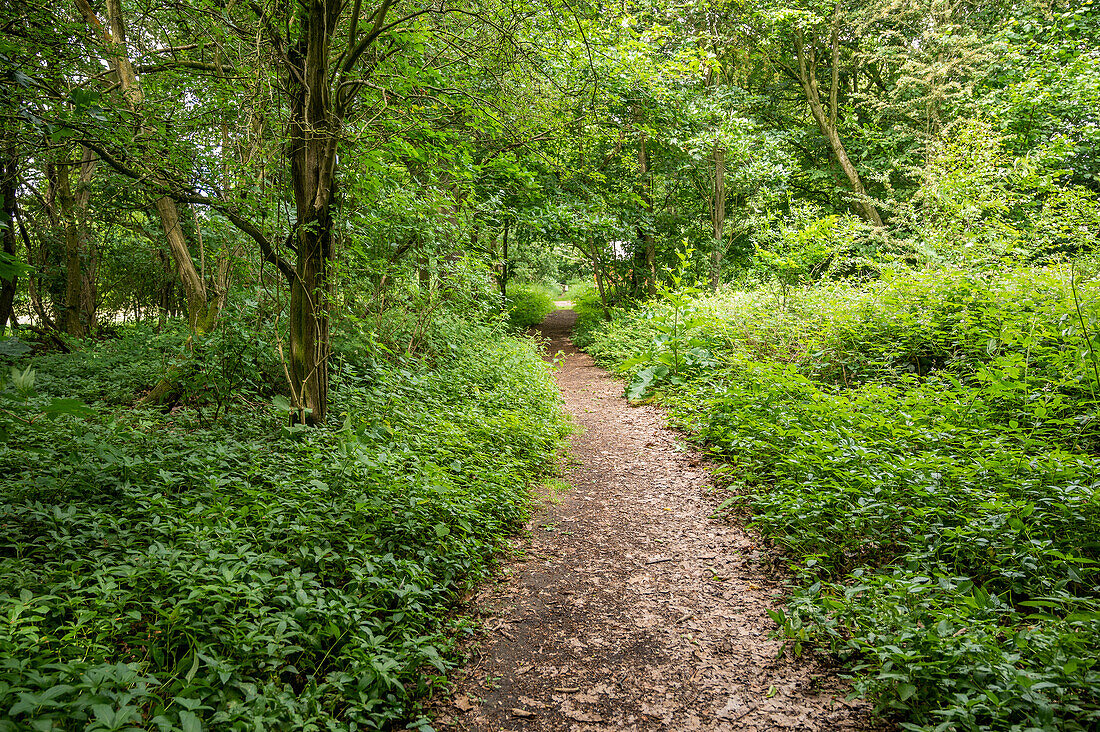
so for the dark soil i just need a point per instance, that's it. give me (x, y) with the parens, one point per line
(632, 607)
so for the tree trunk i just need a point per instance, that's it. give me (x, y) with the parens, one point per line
(201, 312)
(827, 119)
(314, 131)
(718, 214)
(649, 252)
(9, 162)
(70, 207)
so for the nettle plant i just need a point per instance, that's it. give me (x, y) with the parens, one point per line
(673, 352)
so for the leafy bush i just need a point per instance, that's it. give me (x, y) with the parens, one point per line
(980, 206)
(590, 315)
(159, 574)
(925, 449)
(527, 306)
(115, 371)
(673, 353)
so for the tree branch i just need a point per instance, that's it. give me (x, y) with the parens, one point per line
(179, 195)
(180, 64)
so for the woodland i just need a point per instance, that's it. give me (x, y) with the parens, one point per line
(267, 402)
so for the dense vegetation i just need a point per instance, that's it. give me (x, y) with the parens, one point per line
(159, 568)
(926, 449)
(263, 409)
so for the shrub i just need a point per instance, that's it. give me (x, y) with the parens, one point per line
(158, 573)
(925, 449)
(527, 306)
(590, 315)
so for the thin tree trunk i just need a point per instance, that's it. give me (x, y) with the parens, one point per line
(718, 214)
(314, 131)
(9, 162)
(69, 209)
(649, 251)
(201, 314)
(827, 119)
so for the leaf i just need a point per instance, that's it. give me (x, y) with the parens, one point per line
(442, 530)
(13, 347)
(74, 407)
(190, 722)
(10, 267)
(906, 691)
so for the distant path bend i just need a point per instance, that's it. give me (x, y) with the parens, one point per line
(632, 609)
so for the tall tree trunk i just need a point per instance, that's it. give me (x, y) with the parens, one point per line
(649, 249)
(827, 119)
(202, 313)
(9, 162)
(314, 132)
(69, 215)
(718, 214)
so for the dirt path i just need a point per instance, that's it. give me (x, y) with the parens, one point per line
(632, 609)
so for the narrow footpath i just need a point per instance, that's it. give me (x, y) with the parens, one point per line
(632, 608)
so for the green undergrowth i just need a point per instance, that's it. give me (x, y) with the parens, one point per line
(926, 450)
(162, 571)
(527, 305)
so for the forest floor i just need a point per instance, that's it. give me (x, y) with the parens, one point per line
(629, 606)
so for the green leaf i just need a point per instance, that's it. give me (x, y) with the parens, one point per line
(906, 691)
(190, 722)
(74, 407)
(13, 347)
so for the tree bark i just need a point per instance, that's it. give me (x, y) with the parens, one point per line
(69, 216)
(9, 170)
(718, 214)
(201, 312)
(827, 119)
(314, 132)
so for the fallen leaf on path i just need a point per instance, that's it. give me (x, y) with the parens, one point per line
(523, 713)
(463, 702)
(529, 702)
